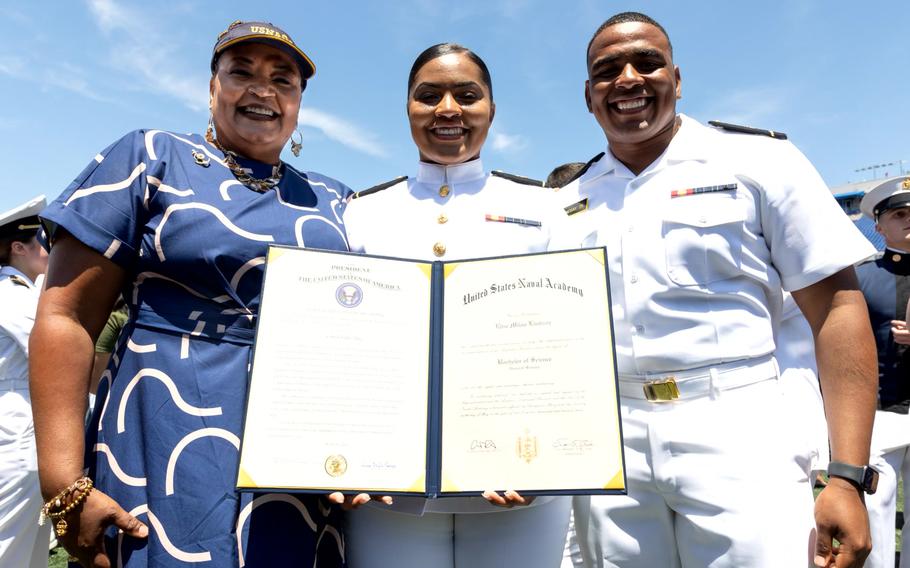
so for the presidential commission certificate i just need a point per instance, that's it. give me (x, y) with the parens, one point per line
(433, 378)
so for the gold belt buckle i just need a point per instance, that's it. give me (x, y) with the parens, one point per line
(663, 390)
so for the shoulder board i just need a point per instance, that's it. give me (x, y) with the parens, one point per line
(747, 129)
(378, 188)
(582, 171)
(517, 179)
(18, 280)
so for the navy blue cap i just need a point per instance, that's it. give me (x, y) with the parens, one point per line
(262, 32)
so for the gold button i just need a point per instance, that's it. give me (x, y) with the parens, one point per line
(896, 258)
(439, 249)
(443, 191)
(442, 218)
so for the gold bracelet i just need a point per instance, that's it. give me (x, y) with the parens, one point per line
(57, 508)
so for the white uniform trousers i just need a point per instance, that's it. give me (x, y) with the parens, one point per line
(530, 537)
(712, 483)
(22, 542)
(571, 556)
(891, 457)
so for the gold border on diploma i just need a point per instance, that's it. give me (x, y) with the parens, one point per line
(404, 377)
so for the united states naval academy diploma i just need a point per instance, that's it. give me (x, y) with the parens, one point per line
(529, 397)
(346, 376)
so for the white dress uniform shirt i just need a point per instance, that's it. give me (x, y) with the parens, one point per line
(795, 354)
(706, 269)
(18, 304)
(442, 215)
(700, 245)
(22, 543)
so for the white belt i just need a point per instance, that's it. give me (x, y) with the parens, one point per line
(702, 381)
(13, 385)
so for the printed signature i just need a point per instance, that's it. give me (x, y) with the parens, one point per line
(569, 445)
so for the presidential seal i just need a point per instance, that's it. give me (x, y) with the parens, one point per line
(349, 295)
(336, 465)
(526, 446)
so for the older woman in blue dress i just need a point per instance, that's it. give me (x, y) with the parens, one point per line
(454, 209)
(179, 224)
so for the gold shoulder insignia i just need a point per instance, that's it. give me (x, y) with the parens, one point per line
(577, 207)
(18, 280)
(378, 188)
(747, 129)
(517, 179)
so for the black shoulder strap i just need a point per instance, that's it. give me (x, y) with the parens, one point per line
(378, 188)
(747, 129)
(582, 171)
(517, 178)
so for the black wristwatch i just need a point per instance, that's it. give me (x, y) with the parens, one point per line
(862, 475)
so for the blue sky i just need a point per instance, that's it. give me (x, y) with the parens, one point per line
(76, 75)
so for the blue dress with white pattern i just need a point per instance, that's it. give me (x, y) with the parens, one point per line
(165, 435)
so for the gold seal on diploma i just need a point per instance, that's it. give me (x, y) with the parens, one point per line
(336, 465)
(526, 446)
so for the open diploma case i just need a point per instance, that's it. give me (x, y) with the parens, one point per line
(434, 379)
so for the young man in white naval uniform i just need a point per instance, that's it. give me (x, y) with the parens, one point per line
(703, 228)
(885, 282)
(23, 260)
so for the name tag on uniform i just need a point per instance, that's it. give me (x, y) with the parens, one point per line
(577, 207)
(699, 190)
(516, 220)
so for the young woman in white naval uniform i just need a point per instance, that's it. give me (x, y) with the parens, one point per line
(451, 210)
(22, 261)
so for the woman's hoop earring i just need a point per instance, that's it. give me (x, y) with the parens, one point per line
(210, 130)
(295, 145)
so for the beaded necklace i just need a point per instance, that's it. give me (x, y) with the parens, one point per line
(260, 185)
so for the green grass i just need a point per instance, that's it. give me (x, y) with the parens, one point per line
(58, 555)
(58, 558)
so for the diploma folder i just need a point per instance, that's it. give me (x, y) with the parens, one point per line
(433, 379)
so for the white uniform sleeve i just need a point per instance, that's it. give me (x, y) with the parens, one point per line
(808, 234)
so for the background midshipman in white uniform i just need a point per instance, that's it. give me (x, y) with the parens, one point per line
(22, 542)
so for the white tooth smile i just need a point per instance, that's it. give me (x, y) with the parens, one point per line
(450, 131)
(259, 110)
(630, 105)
